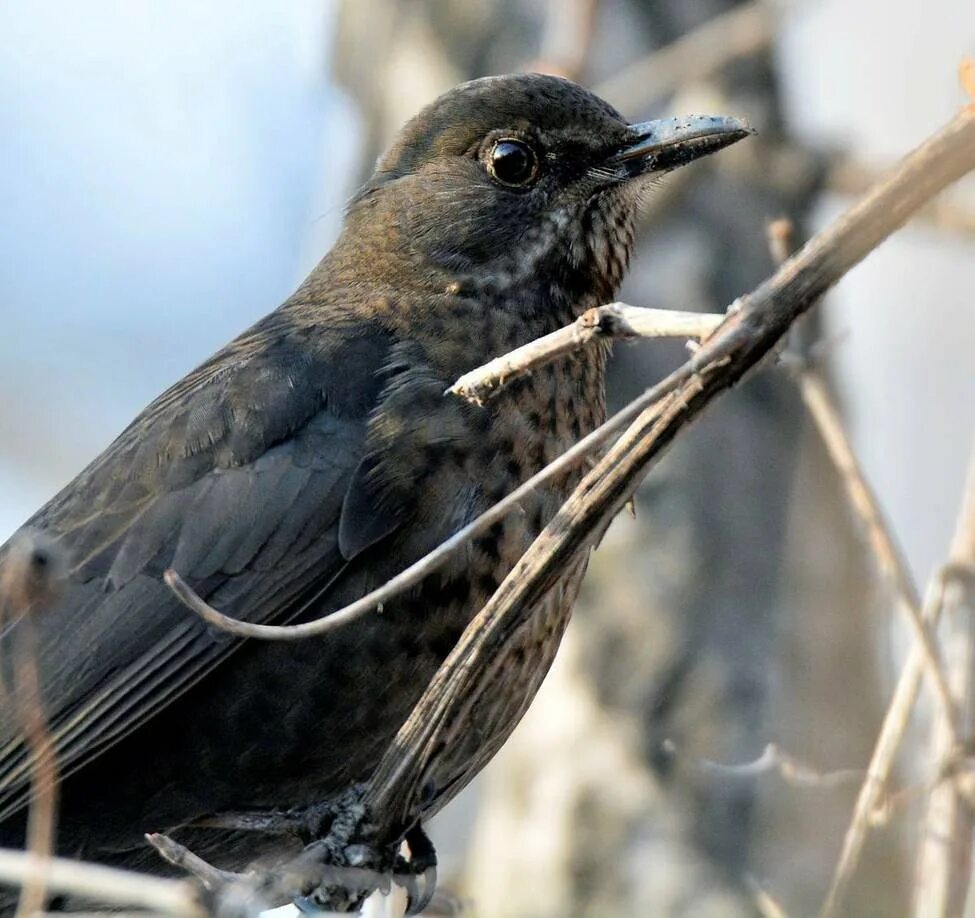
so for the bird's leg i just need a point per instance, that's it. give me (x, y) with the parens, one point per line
(307, 823)
(350, 852)
(341, 864)
(370, 868)
(344, 846)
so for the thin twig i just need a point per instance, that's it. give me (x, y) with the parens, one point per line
(44, 769)
(826, 415)
(945, 858)
(98, 883)
(950, 214)
(697, 55)
(614, 320)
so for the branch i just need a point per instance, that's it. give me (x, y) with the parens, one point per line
(822, 408)
(101, 884)
(944, 861)
(614, 320)
(851, 176)
(826, 415)
(870, 800)
(766, 905)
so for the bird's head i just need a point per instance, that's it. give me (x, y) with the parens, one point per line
(507, 184)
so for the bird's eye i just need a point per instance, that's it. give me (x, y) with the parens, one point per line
(513, 163)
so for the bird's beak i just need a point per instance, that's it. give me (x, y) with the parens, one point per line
(659, 146)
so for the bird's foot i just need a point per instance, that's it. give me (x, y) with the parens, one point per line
(353, 871)
(342, 863)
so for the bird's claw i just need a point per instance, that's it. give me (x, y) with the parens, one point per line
(420, 888)
(420, 878)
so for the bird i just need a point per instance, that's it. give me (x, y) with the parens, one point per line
(317, 455)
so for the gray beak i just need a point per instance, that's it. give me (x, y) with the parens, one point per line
(659, 146)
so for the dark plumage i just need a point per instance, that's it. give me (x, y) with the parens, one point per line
(313, 458)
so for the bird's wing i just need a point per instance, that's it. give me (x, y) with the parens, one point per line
(236, 478)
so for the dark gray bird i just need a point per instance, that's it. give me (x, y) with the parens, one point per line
(316, 456)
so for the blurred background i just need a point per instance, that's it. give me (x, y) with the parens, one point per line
(170, 171)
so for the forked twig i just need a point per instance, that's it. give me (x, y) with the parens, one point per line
(614, 320)
(870, 799)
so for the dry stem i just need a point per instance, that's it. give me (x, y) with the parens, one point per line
(870, 800)
(825, 413)
(101, 884)
(944, 861)
(822, 408)
(614, 320)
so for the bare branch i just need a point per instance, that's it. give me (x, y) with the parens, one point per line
(766, 905)
(101, 884)
(614, 320)
(871, 802)
(871, 799)
(851, 176)
(945, 858)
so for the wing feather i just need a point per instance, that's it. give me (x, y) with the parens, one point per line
(235, 477)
